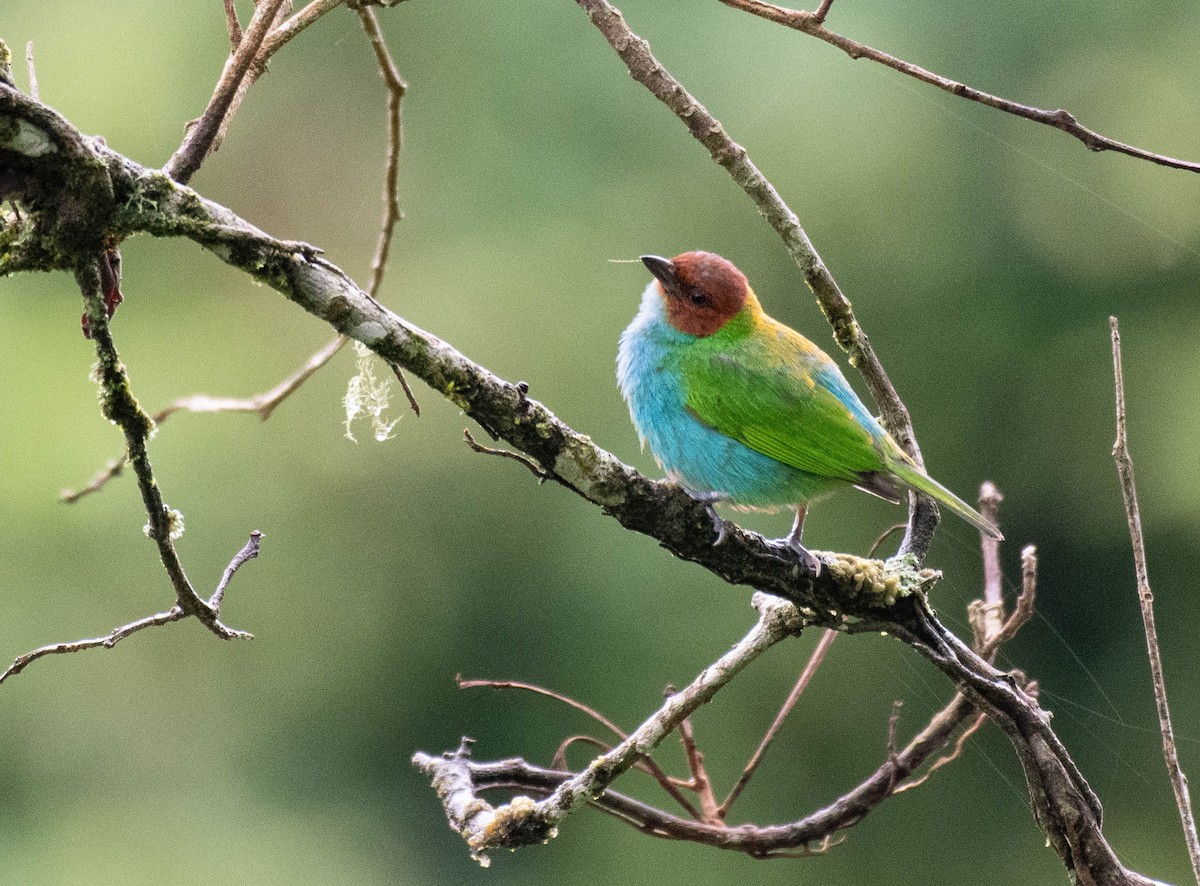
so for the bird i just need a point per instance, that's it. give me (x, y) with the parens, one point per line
(739, 408)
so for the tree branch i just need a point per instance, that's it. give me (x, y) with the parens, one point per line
(1179, 782)
(201, 137)
(521, 822)
(248, 552)
(122, 409)
(812, 23)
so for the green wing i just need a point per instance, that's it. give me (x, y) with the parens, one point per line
(777, 393)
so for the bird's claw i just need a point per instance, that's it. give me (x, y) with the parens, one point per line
(718, 525)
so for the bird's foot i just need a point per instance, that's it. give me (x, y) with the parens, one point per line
(709, 500)
(807, 557)
(811, 562)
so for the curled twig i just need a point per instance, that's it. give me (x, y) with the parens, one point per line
(647, 763)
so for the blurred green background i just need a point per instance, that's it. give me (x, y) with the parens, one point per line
(984, 255)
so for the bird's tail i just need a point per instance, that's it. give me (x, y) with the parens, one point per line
(910, 476)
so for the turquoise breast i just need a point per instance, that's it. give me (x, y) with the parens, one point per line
(702, 460)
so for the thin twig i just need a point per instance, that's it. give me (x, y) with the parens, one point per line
(120, 407)
(248, 552)
(232, 25)
(396, 88)
(1146, 601)
(33, 84)
(1023, 608)
(264, 404)
(812, 24)
(893, 727)
(813, 833)
(634, 51)
(538, 471)
(201, 137)
(945, 759)
(883, 536)
(652, 768)
(700, 783)
(521, 823)
(108, 641)
(989, 618)
(408, 391)
(559, 760)
(549, 693)
(806, 675)
(287, 30)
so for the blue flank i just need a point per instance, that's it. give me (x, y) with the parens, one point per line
(831, 378)
(707, 463)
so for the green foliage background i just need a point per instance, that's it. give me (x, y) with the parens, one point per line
(984, 255)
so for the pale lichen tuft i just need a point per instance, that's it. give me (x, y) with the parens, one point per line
(367, 397)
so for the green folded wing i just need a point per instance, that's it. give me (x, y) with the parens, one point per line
(779, 394)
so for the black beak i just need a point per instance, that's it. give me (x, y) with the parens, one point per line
(663, 269)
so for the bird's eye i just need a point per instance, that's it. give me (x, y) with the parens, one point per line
(697, 297)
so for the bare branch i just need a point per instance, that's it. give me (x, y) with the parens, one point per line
(396, 87)
(651, 767)
(1133, 516)
(202, 136)
(812, 24)
(806, 675)
(945, 759)
(408, 391)
(120, 407)
(699, 783)
(810, 835)
(108, 641)
(285, 31)
(549, 693)
(987, 616)
(248, 552)
(233, 25)
(264, 404)
(537, 470)
(893, 726)
(518, 775)
(1023, 608)
(522, 822)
